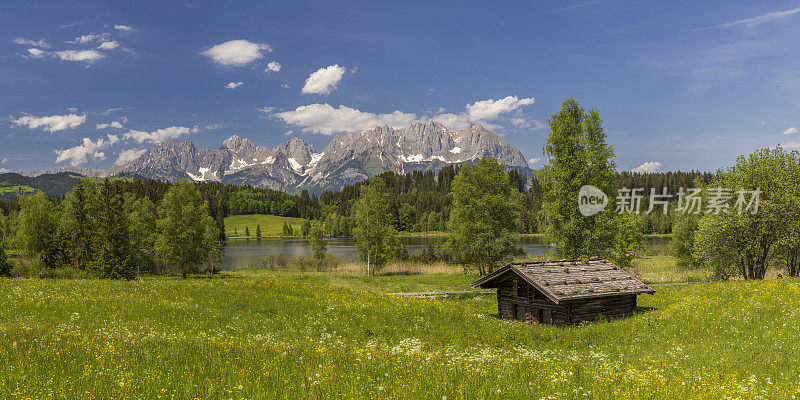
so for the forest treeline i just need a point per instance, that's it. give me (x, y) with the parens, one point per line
(419, 201)
(113, 230)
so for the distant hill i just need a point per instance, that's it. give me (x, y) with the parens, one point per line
(58, 184)
(52, 184)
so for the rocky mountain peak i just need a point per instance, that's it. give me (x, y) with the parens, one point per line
(347, 159)
(238, 145)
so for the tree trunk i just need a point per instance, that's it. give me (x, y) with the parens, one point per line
(792, 267)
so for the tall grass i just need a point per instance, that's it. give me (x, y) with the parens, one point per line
(268, 336)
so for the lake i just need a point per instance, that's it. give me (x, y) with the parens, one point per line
(240, 252)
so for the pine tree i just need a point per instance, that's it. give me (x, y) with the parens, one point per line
(247, 231)
(287, 229)
(112, 249)
(258, 231)
(77, 225)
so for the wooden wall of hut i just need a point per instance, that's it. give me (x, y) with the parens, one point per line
(518, 300)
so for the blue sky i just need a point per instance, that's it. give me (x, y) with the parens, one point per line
(681, 85)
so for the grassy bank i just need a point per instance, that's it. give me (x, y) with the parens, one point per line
(423, 234)
(271, 225)
(293, 336)
(649, 269)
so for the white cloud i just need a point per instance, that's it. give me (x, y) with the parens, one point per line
(124, 28)
(36, 53)
(273, 66)
(534, 161)
(110, 110)
(80, 55)
(647, 167)
(160, 135)
(452, 121)
(790, 130)
(491, 109)
(233, 85)
(327, 120)
(127, 156)
(113, 124)
(89, 149)
(791, 145)
(52, 123)
(108, 45)
(771, 16)
(29, 42)
(484, 111)
(86, 38)
(236, 52)
(525, 123)
(520, 122)
(324, 81)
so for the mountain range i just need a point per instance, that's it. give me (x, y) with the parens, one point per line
(295, 164)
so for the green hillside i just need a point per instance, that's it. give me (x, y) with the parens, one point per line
(8, 188)
(271, 225)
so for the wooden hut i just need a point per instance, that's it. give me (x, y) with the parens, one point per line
(563, 292)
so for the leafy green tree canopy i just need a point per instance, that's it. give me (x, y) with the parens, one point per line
(188, 234)
(748, 242)
(578, 155)
(484, 217)
(316, 240)
(36, 223)
(376, 239)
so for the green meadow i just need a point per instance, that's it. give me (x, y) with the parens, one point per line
(271, 225)
(19, 189)
(296, 335)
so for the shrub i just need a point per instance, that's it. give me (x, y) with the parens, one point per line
(431, 255)
(5, 265)
(19, 269)
(682, 244)
(271, 262)
(309, 263)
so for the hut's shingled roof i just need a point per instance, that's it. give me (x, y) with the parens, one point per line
(567, 280)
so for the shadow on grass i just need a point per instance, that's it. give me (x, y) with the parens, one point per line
(643, 310)
(193, 277)
(395, 273)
